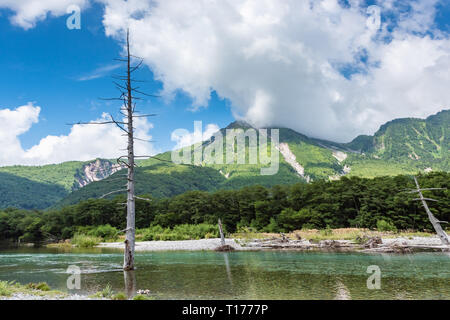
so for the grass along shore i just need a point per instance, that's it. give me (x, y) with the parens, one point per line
(332, 234)
(10, 290)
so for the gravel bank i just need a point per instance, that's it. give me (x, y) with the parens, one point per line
(185, 245)
(212, 244)
(415, 241)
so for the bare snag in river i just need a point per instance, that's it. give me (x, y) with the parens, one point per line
(129, 94)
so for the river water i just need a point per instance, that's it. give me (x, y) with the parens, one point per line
(238, 275)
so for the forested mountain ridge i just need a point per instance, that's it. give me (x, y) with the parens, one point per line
(409, 138)
(38, 187)
(401, 146)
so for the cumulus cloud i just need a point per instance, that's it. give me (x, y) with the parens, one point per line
(319, 67)
(184, 138)
(84, 142)
(12, 124)
(323, 68)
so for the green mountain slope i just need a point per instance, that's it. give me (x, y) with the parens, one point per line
(58, 174)
(402, 146)
(38, 187)
(23, 193)
(409, 139)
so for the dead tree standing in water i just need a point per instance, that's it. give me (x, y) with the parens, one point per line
(128, 110)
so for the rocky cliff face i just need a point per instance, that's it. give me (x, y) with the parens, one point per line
(94, 171)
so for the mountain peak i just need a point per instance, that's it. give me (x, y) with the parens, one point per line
(239, 124)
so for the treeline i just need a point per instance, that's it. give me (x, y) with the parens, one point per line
(349, 202)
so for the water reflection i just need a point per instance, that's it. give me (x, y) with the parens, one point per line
(342, 292)
(227, 266)
(239, 275)
(130, 283)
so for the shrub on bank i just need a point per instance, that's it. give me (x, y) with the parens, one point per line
(383, 225)
(119, 296)
(5, 288)
(179, 232)
(42, 286)
(106, 232)
(85, 241)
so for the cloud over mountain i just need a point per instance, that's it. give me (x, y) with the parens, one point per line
(320, 67)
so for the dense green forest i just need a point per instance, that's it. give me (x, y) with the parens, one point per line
(23, 193)
(358, 202)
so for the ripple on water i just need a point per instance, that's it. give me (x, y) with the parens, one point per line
(243, 275)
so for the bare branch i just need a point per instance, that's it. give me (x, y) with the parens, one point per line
(118, 124)
(145, 199)
(124, 230)
(112, 192)
(145, 140)
(144, 115)
(428, 199)
(427, 189)
(137, 66)
(107, 99)
(83, 123)
(146, 94)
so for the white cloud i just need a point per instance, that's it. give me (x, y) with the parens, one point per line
(184, 138)
(12, 124)
(277, 61)
(84, 142)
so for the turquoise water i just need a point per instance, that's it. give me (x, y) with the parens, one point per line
(238, 275)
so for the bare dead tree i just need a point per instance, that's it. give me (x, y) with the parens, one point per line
(222, 237)
(128, 95)
(435, 222)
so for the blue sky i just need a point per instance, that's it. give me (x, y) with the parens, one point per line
(328, 70)
(44, 65)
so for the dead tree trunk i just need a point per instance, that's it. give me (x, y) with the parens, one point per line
(129, 112)
(128, 263)
(435, 222)
(222, 237)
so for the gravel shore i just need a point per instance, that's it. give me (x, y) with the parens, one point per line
(212, 244)
(185, 245)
